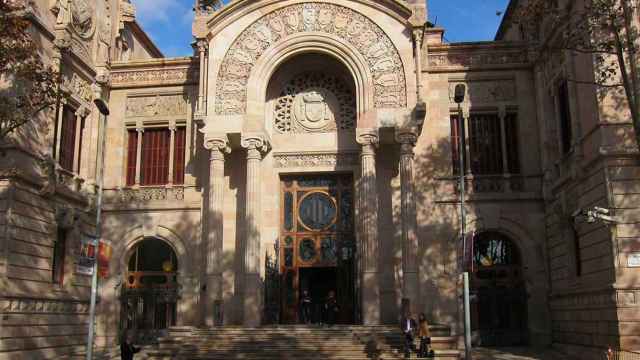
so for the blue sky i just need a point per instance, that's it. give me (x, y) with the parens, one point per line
(168, 22)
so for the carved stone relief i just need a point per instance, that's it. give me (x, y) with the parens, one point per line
(159, 105)
(480, 59)
(82, 18)
(79, 87)
(160, 76)
(314, 102)
(487, 91)
(359, 31)
(283, 160)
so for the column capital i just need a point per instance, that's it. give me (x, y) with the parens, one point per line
(418, 34)
(202, 45)
(367, 137)
(257, 143)
(406, 137)
(218, 145)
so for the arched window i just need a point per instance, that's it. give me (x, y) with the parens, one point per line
(493, 248)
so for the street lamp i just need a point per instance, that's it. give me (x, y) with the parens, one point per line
(104, 111)
(458, 97)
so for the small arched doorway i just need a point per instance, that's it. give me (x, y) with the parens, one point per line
(499, 310)
(150, 290)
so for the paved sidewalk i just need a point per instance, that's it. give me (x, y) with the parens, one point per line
(518, 353)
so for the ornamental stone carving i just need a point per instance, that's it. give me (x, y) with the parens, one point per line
(354, 28)
(286, 160)
(176, 76)
(314, 102)
(159, 105)
(479, 59)
(82, 18)
(78, 87)
(487, 91)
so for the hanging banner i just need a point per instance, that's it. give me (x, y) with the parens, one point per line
(105, 251)
(87, 256)
(465, 252)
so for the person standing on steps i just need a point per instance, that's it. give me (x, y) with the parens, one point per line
(127, 350)
(425, 337)
(331, 308)
(408, 327)
(305, 307)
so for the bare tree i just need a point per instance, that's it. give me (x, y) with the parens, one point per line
(27, 85)
(606, 29)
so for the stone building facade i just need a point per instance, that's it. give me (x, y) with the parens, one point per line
(313, 146)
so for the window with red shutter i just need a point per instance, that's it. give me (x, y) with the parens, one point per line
(67, 138)
(485, 144)
(154, 169)
(178, 155)
(132, 153)
(455, 144)
(513, 152)
(82, 123)
(59, 249)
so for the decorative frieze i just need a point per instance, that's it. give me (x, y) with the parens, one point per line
(78, 87)
(287, 160)
(46, 306)
(157, 105)
(487, 91)
(147, 194)
(472, 59)
(177, 76)
(382, 58)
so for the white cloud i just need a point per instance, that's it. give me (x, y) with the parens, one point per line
(150, 11)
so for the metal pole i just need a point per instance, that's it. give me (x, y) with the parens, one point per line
(461, 172)
(467, 318)
(94, 277)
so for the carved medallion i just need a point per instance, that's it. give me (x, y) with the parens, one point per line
(82, 19)
(382, 58)
(314, 102)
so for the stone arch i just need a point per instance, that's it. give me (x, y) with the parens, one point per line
(139, 233)
(358, 38)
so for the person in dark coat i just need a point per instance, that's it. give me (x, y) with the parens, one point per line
(331, 308)
(408, 327)
(305, 307)
(127, 350)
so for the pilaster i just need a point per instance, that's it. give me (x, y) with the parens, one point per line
(257, 145)
(368, 246)
(407, 140)
(218, 146)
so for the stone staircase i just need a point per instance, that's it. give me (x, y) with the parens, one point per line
(294, 342)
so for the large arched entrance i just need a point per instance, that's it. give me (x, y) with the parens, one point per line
(499, 312)
(311, 106)
(150, 290)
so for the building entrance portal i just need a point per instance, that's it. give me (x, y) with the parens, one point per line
(317, 245)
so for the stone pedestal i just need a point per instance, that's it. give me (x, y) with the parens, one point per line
(368, 201)
(256, 145)
(214, 227)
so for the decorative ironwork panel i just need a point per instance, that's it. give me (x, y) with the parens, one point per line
(317, 211)
(288, 211)
(307, 250)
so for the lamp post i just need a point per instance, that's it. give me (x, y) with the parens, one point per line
(104, 111)
(459, 93)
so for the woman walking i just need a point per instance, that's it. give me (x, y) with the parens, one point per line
(425, 337)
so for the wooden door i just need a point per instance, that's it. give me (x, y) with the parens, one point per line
(317, 231)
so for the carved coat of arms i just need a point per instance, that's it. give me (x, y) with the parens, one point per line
(312, 109)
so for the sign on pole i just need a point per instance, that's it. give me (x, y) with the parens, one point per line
(465, 252)
(104, 256)
(87, 256)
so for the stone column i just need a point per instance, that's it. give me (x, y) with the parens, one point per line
(172, 142)
(256, 146)
(218, 147)
(370, 288)
(202, 46)
(407, 140)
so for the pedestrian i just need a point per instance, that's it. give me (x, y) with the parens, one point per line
(331, 308)
(408, 327)
(305, 307)
(425, 337)
(127, 350)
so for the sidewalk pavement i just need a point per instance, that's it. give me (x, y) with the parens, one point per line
(516, 353)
